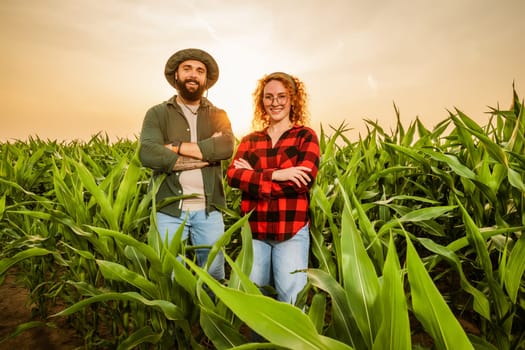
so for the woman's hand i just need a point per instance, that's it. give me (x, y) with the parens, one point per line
(296, 174)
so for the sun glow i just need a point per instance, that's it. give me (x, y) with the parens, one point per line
(240, 70)
(237, 104)
(233, 93)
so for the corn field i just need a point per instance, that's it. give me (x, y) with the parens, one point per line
(416, 234)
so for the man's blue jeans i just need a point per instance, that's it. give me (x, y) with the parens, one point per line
(202, 229)
(281, 259)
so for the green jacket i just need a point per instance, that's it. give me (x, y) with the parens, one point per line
(166, 123)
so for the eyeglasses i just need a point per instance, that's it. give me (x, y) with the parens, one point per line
(281, 99)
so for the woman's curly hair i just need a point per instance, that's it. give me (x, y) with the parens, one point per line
(299, 113)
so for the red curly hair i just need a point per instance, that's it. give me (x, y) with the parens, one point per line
(299, 114)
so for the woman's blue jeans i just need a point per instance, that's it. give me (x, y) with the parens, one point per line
(281, 259)
(202, 229)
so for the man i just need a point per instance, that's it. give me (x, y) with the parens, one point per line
(186, 138)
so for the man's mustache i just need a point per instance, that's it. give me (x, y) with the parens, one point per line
(191, 81)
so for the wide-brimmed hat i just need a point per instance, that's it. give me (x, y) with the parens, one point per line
(212, 68)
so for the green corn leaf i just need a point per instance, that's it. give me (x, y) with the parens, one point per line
(408, 138)
(184, 278)
(452, 161)
(2, 206)
(6, 263)
(21, 328)
(321, 251)
(170, 311)
(463, 242)
(515, 269)
(493, 148)
(259, 346)
(176, 246)
(394, 332)
(224, 240)
(127, 189)
(85, 289)
(426, 213)
(145, 249)
(360, 280)
(466, 140)
(101, 198)
(481, 303)
(99, 245)
(408, 151)
(430, 308)
(344, 322)
(515, 179)
(407, 197)
(483, 344)
(317, 311)
(517, 140)
(244, 261)
(139, 260)
(244, 283)
(141, 336)
(69, 196)
(117, 272)
(281, 323)
(319, 248)
(220, 330)
(40, 199)
(478, 242)
(469, 122)
(374, 244)
(83, 253)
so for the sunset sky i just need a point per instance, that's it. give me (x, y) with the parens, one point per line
(70, 69)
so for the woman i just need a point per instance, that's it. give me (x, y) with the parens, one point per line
(275, 166)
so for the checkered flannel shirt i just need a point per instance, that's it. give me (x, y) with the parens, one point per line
(280, 209)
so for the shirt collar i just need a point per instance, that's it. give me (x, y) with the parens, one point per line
(173, 101)
(295, 126)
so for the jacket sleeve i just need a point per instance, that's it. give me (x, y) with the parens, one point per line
(152, 152)
(218, 148)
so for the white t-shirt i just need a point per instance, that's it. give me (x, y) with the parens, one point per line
(191, 180)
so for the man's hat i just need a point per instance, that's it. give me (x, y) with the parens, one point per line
(212, 69)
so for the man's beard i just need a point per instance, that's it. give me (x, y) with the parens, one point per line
(187, 94)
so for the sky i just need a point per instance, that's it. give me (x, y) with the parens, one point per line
(70, 69)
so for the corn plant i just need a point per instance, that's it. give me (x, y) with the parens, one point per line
(416, 243)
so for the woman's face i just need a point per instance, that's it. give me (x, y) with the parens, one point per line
(276, 100)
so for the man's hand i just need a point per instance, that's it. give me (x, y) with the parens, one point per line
(188, 163)
(191, 149)
(241, 164)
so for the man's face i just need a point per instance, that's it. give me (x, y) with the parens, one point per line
(190, 79)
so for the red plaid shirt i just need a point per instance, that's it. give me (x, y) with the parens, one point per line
(280, 209)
